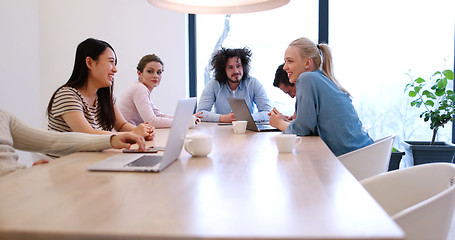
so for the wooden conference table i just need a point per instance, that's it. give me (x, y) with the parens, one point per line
(244, 189)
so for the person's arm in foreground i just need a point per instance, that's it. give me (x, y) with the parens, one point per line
(32, 139)
(16, 135)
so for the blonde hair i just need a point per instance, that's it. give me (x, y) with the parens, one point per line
(321, 55)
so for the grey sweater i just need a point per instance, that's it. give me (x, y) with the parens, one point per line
(14, 134)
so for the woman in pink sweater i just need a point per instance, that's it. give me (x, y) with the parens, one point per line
(135, 103)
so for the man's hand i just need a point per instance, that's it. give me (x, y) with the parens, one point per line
(227, 118)
(125, 139)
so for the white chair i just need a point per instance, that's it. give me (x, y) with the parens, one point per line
(370, 160)
(421, 199)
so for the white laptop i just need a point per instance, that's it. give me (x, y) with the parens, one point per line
(242, 113)
(154, 162)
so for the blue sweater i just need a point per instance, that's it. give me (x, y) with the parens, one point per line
(323, 109)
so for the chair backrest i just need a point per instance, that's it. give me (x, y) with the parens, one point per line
(421, 199)
(370, 160)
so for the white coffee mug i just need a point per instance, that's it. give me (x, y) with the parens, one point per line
(286, 142)
(198, 145)
(239, 126)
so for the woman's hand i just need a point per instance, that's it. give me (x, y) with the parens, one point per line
(125, 139)
(276, 113)
(145, 130)
(278, 120)
(290, 118)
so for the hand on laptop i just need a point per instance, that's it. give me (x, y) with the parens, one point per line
(125, 139)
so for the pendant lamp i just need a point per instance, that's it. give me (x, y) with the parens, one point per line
(218, 6)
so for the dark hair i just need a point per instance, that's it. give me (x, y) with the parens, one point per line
(92, 48)
(146, 59)
(220, 58)
(281, 76)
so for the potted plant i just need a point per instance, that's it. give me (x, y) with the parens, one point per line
(395, 159)
(438, 103)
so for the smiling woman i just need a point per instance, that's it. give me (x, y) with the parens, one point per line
(319, 98)
(86, 103)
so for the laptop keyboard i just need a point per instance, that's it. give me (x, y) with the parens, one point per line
(145, 161)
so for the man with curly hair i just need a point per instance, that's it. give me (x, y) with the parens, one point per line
(231, 68)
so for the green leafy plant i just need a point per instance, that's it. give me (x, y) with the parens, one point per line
(433, 95)
(395, 149)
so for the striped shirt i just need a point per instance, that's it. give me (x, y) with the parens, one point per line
(68, 99)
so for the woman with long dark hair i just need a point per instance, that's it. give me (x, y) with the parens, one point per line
(86, 103)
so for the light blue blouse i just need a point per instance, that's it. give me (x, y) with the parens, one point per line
(323, 109)
(216, 95)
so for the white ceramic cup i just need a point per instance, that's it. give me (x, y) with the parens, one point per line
(198, 145)
(239, 126)
(286, 142)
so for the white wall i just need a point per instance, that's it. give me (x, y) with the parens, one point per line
(133, 28)
(38, 40)
(19, 60)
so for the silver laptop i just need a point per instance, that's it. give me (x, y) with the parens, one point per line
(154, 162)
(241, 112)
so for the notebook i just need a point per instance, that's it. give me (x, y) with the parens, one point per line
(154, 162)
(242, 113)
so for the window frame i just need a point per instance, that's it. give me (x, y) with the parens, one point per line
(323, 37)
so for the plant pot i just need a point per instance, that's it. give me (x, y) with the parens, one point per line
(422, 152)
(395, 159)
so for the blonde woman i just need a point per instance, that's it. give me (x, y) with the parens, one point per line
(323, 107)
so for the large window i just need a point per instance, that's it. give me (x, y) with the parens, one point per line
(375, 43)
(266, 33)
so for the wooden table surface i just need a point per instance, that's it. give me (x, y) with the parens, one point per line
(244, 189)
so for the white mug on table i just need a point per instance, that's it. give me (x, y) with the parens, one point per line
(286, 142)
(239, 126)
(198, 145)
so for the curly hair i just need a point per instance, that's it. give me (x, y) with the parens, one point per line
(220, 58)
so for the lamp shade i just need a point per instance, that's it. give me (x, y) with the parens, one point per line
(218, 6)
